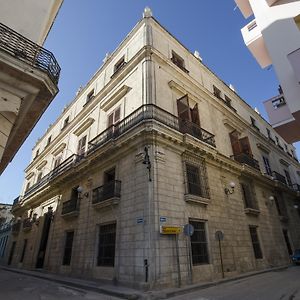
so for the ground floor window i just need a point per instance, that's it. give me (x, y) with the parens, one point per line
(255, 242)
(199, 243)
(106, 245)
(23, 250)
(68, 248)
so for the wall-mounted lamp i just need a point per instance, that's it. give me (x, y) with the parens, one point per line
(296, 205)
(229, 190)
(80, 190)
(146, 161)
(270, 201)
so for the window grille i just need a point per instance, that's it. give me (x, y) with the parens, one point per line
(255, 242)
(106, 245)
(68, 248)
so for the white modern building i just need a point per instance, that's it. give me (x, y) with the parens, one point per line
(273, 37)
(28, 73)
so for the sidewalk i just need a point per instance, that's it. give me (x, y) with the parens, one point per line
(108, 288)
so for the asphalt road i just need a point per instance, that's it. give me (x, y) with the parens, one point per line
(280, 285)
(14, 286)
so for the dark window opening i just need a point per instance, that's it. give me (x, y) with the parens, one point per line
(37, 153)
(90, 96)
(253, 123)
(23, 251)
(217, 92)
(68, 248)
(287, 241)
(178, 61)
(193, 180)
(49, 141)
(106, 245)
(249, 196)
(255, 242)
(267, 165)
(39, 177)
(109, 175)
(120, 64)
(288, 178)
(199, 243)
(66, 123)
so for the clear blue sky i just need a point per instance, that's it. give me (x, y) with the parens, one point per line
(87, 29)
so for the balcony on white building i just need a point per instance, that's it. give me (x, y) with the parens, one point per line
(245, 7)
(294, 59)
(254, 41)
(281, 118)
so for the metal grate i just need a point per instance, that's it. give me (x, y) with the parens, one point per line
(255, 242)
(106, 245)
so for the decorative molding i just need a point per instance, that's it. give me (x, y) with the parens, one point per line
(86, 124)
(284, 162)
(59, 149)
(263, 147)
(41, 165)
(196, 199)
(175, 86)
(232, 125)
(114, 98)
(252, 211)
(30, 175)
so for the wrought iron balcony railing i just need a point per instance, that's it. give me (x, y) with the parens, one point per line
(27, 224)
(107, 191)
(151, 112)
(70, 206)
(279, 177)
(24, 49)
(246, 159)
(15, 228)
(144, 113)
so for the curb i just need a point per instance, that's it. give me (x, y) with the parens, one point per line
(163, 294)
(106, 291)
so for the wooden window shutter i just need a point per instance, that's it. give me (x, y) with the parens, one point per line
(183, 108)
(110, 120)
(235, 144)
(117, 115)
(195, 115)
(245, 146)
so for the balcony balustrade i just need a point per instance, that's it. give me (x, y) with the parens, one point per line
(109, 192)
(27, 224)
(70, 208)
(144, 113)
(151, 112)
(31, 53)
(244, 158)
(279, 177)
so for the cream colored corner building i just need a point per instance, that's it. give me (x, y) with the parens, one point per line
(157, 139)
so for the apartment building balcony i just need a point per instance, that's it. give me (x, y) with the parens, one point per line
(107, 194)
(15, 228)
(245, 7)
(294, 59)
(254, 41)
(281, 118)
(30, 75)
(150, 112)
(70, 208)
(246, 159)
(277, 176)
(27, 224)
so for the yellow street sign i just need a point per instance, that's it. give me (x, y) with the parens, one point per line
(170, 229)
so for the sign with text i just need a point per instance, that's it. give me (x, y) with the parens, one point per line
(170, 229)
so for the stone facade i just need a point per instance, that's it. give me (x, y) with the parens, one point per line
(6, 219)
(118, 164)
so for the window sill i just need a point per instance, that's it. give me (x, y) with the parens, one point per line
(196, 199)
(252, 211)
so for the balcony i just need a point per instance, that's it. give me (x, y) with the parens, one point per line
(149, 112)
(70, 208)
(279, 177)
(31, 53)
(27, 224)
(245, 7)
(107, 194)
(246, 159)
(15, 228)
(254, 41)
